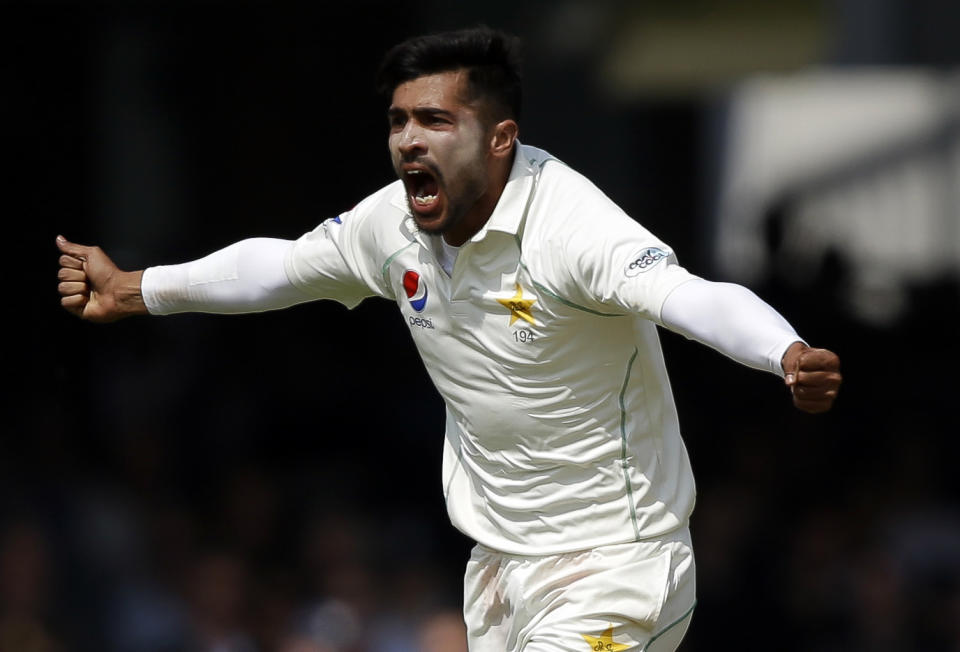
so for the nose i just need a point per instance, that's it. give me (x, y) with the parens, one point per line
(411, 142)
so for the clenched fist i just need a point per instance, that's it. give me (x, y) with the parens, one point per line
(813, 376)
(93, 288)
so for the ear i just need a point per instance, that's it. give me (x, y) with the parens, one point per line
(502, 139)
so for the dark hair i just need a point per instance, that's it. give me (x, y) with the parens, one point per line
(491, 58)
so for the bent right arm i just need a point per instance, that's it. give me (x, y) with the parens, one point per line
(247, 276)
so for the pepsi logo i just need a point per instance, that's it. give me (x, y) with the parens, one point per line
(416, 290)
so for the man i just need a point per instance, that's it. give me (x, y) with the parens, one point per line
(533, 300)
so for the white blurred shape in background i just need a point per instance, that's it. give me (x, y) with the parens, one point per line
(864, 163)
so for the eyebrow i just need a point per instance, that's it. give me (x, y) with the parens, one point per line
(418, 110)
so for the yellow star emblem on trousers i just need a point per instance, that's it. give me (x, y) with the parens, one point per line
(519, 307)
(605, 642)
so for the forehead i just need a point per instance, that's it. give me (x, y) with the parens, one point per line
(440, 90)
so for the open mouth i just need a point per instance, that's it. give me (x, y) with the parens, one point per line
(422, 189)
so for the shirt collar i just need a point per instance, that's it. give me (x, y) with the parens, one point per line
(509, 209)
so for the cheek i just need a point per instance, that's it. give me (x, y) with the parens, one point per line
(393, 146)
(467, 152)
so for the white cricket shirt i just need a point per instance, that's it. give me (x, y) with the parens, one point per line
(561, 430)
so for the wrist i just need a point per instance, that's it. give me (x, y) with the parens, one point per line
(789, 360)
(127, 294)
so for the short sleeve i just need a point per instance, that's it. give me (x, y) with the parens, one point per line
(605, 260)
(625, 267)
(338, 260)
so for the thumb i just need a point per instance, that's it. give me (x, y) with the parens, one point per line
(790, 378)
(72, 249)
(791, 363)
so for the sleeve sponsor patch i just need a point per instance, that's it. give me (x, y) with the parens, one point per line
(644, 259)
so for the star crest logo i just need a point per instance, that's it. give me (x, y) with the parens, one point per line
(519, 307)
(605, 642)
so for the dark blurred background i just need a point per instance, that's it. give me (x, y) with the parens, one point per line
(271, 482)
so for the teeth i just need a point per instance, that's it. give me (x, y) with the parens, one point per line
(411, 172)
(423, 201)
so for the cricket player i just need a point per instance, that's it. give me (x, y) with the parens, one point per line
(534, 301)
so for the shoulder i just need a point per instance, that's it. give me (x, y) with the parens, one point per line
(342, 257)
(558, 176)
(380, 220)
(569, 200)
(581, 242)
(385, 205)
(570, 214)
(376, 223)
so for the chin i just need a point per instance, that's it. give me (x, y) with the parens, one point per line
(432, 227)
(432, 224)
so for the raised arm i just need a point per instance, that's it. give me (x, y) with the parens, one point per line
(736, 322)
(245, 277)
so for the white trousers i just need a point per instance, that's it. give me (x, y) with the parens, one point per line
(631, 596)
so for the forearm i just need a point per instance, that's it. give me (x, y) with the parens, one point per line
(731, 319)
(247, 276)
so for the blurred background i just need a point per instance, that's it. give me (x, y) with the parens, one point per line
(271, 482)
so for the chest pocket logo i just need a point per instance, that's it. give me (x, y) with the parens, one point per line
(415, 289)
(519, 307)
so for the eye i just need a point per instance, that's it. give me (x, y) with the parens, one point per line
(396, 121)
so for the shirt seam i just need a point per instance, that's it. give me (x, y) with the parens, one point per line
(542, 288)
(623, 445)
(386, 265)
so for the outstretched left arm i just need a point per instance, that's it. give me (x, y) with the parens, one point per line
(736, 322)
